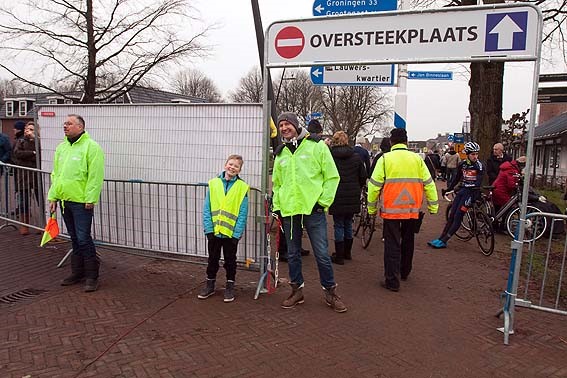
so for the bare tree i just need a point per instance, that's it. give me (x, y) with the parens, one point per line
(197, 84)
(295, 93)
(249, 88)
(78, 41)
(358, 111)
(9, 87)
(514, 136)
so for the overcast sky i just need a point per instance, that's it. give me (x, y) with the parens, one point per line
(434, 106)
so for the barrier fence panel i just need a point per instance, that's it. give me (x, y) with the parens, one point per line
(537, 277)
(21, 197)
(151, 217)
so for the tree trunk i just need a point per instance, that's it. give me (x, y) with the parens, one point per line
(90, 81)
(485, 105)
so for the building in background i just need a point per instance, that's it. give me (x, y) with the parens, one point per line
(23, 106)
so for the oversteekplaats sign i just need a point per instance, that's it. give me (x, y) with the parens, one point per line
(507, 32)
(353, 74)
(430, 75)
(336, 7)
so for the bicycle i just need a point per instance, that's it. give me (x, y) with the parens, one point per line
(364, 221)
(510, 213)
(476, 224)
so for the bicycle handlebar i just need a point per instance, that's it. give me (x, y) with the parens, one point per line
(447, 197)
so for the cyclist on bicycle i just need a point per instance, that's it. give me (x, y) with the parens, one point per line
(468, 180)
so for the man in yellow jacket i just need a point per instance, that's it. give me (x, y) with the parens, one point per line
(305, 180)
(401, 176)
(76, 183)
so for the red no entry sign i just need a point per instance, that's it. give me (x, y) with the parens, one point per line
(289, 42)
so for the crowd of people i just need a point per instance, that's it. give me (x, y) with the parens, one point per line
(311, 177)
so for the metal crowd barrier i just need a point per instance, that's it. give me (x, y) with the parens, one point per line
(153, 218)
(538, 281)
(21, 197)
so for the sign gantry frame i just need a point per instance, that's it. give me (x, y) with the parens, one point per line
(381, 45)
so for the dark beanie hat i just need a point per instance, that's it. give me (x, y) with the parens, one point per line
(314, 126)
(398, 135)
(291, 118)
(20, 125)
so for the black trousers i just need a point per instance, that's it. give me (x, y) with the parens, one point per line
(398, 249)
(229, 247)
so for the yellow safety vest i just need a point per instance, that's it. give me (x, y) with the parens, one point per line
(225, 207)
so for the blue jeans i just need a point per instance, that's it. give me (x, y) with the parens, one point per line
(316, 226)
(342, 224)
(79, 221)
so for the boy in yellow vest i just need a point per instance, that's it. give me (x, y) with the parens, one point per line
(224, 219)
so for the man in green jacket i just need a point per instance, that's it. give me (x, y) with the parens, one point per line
(305, 180)
(76, 182)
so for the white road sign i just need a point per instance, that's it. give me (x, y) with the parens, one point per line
(455, 34)
(350, 74)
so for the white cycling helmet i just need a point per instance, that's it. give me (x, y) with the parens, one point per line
(471, 147)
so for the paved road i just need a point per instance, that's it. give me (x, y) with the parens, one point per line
(145, 320)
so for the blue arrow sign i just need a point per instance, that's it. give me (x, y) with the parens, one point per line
(328, 8)
(317, 74)
(430, 75)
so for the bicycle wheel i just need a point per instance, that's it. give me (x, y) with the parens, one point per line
(367, 230)
(357, 223)
(484, 233)
(535, 227)
(465, 232)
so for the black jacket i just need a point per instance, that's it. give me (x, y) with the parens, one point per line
(493, 166)
(353, 177)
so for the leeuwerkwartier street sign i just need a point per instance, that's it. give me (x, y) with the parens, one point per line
(353, 74)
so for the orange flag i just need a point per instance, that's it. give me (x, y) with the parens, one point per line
(51, 230)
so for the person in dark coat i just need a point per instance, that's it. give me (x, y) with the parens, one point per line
(5, 150)
(24, 155)
(364, 155)
(385, 146)
(433, 163)
(347, 199)
(494, 161)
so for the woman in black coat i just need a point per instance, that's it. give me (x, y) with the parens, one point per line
(347, 200)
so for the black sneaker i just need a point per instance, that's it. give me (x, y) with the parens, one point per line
(391, 288)
(229, 292)
(208, 290)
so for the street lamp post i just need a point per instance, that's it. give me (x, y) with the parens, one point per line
(466, 129)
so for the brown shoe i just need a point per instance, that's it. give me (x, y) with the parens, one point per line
(333, 300)
(295, 298)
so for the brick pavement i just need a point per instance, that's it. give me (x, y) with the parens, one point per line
(145, 320)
